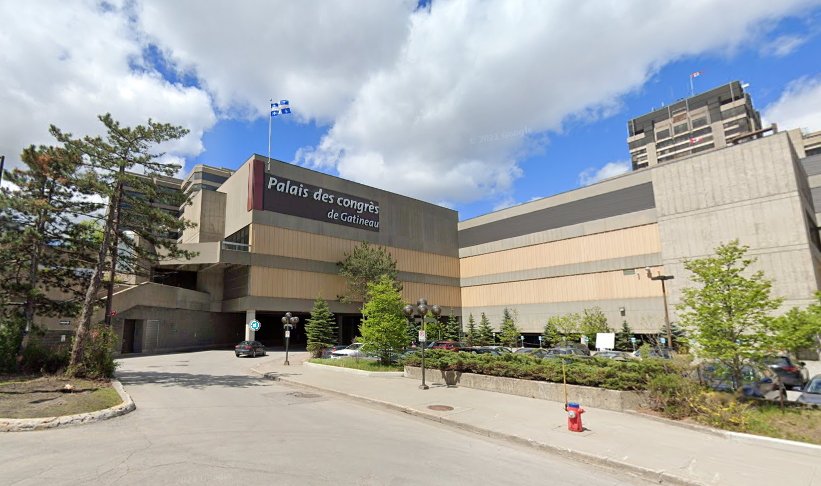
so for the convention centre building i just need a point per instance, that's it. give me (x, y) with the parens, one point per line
(269, 235)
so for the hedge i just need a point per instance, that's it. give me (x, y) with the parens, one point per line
(595, 372)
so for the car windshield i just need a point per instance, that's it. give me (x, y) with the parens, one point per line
(778, 361)
(354, 346)
(814, 387)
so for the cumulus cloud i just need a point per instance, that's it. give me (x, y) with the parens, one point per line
(64, 63)
(592, 175)
(469, 69)
(403, 91)
(798, 107)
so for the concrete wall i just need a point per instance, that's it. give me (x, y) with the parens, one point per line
(750, 192)
(235, 188)
(618, 401)
(164, 329)
(207, 209)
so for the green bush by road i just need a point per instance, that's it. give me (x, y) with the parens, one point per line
(601, 373)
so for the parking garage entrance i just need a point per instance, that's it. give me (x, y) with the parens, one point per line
(272, 334)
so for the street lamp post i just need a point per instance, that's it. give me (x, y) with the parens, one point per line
(663, 278)
(422, 309)
(288, 322)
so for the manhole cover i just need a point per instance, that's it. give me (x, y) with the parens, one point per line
(440, 408)
(304, 395)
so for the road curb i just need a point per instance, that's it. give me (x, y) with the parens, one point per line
(772, 442)
(43, 423)
(370, 374)
(657, 476)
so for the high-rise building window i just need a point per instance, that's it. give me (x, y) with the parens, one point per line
(699, 122)
(680, 128)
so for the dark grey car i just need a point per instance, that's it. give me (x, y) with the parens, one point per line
(812, 392)
(250, 348)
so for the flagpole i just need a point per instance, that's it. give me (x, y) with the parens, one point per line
(269, 133)
(692, 89)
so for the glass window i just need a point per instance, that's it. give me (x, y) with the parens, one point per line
(680, 128)
(700, 122)
(629, 271)
(663, 134)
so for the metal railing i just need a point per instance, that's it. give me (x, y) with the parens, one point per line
(228, 245)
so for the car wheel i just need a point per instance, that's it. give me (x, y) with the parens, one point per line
(254, 354)
(237, 354)
(265, 352)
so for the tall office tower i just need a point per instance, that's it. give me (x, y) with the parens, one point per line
(703, 122)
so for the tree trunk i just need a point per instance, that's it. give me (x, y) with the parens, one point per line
(114, 254)
(91, 295)
(33, 280)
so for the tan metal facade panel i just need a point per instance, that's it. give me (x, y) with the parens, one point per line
(594, 286)
(271, 240)
(640, 240)
(294, 284)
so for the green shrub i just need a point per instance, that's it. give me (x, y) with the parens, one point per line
(41, 359)
(603, 373)
(674, 395)
(98, 356)
(11, 335)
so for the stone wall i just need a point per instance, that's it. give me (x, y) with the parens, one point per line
(586, 396)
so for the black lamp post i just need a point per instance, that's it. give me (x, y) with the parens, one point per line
(663, 278)
(288, 322)
(422, 309)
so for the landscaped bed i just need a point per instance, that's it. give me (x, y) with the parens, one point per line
(357, 364)
(24, 397)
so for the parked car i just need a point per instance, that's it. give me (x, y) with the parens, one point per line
(615, 355)
(352, 351)
(449, 345)
(326, 353)
(433, 344)
(792, 372)
(756, 381)
(525, 350)
(250, 348)
(481, 350)
(581, 349)
(663, 353)
(499, 349)
(811, 393)
(569, 350)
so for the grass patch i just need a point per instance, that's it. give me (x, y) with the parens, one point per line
(357, 364)
(802, 425)
(42, 397)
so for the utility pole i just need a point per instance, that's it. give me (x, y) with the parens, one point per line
(2, 163)
(663, 278)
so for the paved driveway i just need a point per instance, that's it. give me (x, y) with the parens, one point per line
(201, 418)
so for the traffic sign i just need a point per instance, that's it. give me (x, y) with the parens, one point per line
(663, 340)
(540, 338)
(255, 325)
(422, 336)
(287, 334)
(632, 340)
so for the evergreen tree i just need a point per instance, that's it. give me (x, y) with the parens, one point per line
(471, 336)
(124, 168)
(485, 332)
(383, 328)
(623, 342)
(412, 330)
(365, 265)
(728, 311)
(453, 330)
(42, 244)
(508, 331)
(320, 328)
(552, 333)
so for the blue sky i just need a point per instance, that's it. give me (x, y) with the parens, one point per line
(427, 99)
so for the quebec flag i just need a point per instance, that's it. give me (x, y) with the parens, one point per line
(285, 107)
(275, 109)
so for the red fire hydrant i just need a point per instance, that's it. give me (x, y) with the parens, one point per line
(574, 417)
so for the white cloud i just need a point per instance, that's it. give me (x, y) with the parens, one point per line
(404, 91)
(469, 69)
(783, 45)
(798, 107)
(591, 175)
(64, 63)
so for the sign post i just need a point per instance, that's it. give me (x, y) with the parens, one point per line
(540, 341)
(633, 342)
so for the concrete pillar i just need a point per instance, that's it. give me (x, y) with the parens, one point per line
(250, 315)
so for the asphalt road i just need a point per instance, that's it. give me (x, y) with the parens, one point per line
(202, 418)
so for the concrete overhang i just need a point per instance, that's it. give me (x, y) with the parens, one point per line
(216, 254)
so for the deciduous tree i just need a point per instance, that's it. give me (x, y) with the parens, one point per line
(383, 328)
(728, 310)
(365, 264)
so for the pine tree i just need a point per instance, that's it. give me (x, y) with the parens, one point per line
(552, 333)
(364, 265)
(485, 332)
(133, 217)
(471, 336)
(42, 242)
(623, 342)
(320, 328)
(453, 330)
(508, 332)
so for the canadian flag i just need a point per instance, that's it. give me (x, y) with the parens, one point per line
(695, 140)
(695, 74)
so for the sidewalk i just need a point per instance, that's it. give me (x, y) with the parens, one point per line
(657, 451)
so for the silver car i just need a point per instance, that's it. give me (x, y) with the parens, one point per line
(811, 393)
